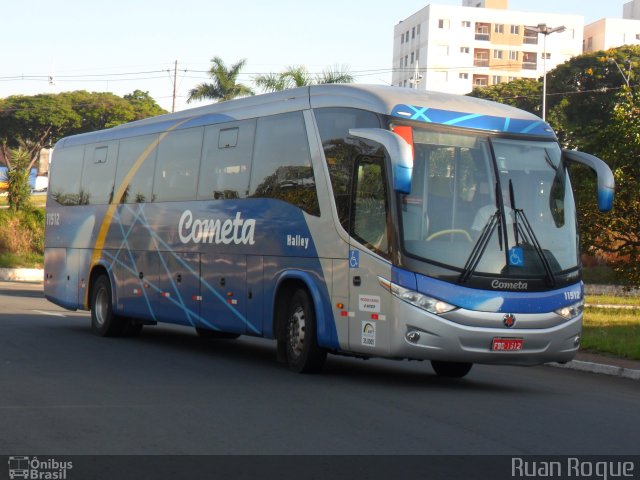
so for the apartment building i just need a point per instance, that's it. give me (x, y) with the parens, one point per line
(455, 48)
(608, 33)
(631, 10)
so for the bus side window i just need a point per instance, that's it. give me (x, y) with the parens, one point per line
(177, 166)
(341, 150)
(136, 156)
(65, 178)
(282, 166)
(98, 173)
(226, 160)
(370, 205)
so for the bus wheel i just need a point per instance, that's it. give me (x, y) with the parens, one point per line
(208, 333)
(302, 351)
(103, 321)
(451, 369)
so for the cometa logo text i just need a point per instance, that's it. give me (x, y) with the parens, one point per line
(209, 230)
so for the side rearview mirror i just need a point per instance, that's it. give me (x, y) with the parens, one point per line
(400, 152)
(606, 182)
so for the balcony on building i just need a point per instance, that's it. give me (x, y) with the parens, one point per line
(482, 31)
(480, 80)
(530, 37)
(529, 61)
(481, 57)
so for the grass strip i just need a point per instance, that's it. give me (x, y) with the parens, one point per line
(612, 331)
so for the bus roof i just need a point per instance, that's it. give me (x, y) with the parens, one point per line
(430, 107)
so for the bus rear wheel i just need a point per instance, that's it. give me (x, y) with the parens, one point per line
(104, 322)
(451, 369)
(303, 354)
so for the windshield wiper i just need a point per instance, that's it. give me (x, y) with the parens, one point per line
(522, 226)
(495, 221)
(480, 246)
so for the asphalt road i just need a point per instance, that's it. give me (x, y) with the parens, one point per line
(64, 391)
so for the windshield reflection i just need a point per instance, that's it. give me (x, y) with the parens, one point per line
(507, 213)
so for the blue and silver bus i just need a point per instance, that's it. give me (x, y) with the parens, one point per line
(362, 220)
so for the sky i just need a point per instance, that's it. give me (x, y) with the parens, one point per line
(120, 46)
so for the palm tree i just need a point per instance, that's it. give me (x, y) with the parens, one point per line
(335, 74)
(294, 76)
(224, 85)
(272, 82)
(298, 76)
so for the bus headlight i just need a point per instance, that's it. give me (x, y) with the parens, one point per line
(417, 299)
(571, 311)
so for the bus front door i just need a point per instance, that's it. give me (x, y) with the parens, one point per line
(369, 301)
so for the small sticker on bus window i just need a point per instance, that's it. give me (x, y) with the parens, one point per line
(516, 257)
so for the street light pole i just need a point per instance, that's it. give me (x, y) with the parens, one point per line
(626, 76)
(546, 31)
(417, 77)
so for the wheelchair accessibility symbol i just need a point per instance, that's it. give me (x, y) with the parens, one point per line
(516, 257)
(354, 259)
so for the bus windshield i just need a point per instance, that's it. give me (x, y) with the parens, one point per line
(489, 205)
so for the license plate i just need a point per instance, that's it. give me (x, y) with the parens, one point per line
(506, 344)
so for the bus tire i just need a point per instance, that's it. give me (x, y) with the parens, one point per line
(104, 322)
(303, 354)
(451, 369)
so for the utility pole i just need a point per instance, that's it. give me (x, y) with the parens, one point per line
(175, 82)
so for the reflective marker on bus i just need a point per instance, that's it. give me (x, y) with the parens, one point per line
(362, 220)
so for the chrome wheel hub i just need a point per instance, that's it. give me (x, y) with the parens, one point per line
(295, 332)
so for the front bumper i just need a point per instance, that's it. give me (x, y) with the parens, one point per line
(545, 337)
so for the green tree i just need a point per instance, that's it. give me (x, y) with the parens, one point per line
(298, 76)
(35, 121)
(591, 108)
(617, 234)
(523, 93)
(224, 84)
(29, 123)
(98, 110)
(18, 190)
(292, 77)
(335, 74)
(40, 120)
(582, 93)
(143, 105)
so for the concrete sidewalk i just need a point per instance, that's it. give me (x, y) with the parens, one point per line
(603, 365)
(28, 275)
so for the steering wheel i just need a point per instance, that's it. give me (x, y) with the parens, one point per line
(458, 231)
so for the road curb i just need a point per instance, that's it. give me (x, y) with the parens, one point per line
(27, 275)
(599, 368)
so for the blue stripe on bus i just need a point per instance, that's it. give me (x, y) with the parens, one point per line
(473, 120)
(488, 300)
(138, 227)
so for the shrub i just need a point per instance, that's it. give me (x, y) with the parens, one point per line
(22, 236)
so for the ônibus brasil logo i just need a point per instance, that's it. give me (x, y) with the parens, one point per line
(38, 469)
(209, 230)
